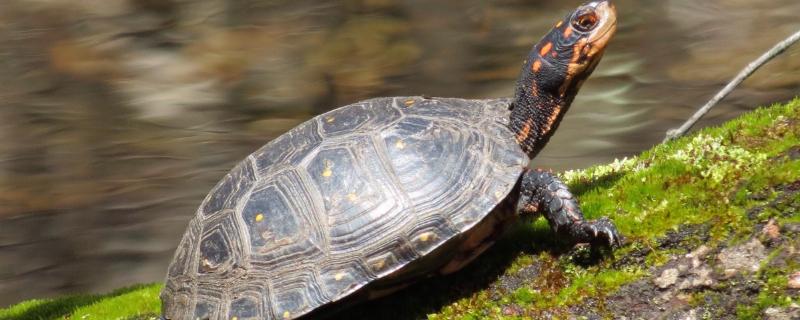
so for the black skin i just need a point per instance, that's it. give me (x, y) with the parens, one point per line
(543, 193)
(545, 90)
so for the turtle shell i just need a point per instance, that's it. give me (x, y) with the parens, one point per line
(346, 199)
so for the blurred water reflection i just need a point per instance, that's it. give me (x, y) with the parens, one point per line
(117, 116)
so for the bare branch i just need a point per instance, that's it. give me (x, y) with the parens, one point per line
(744, 74)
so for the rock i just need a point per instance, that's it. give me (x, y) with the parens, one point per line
(771, 230)
(742, 258)
(688, 272)
(668, 278)
(790, 313)
(690, 315)
(794, 281)
(511, 311)
(699, 253)
(702, 277)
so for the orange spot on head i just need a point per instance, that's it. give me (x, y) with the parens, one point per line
(573, 68)
(546, 48)
(567, 32)
(537, 65)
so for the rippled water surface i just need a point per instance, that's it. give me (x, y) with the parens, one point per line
(117, 116)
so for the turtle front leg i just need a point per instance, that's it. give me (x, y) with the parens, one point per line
(543, 193)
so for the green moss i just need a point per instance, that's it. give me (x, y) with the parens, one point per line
(524, 296)
(728, 178)
(121, 304)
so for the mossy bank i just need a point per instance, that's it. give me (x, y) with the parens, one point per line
(712, 227)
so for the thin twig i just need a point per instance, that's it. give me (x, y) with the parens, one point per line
(744, 74)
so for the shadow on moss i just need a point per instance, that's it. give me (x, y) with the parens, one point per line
(431, 295)
(597, 183)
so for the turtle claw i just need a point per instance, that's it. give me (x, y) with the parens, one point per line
(601, 231)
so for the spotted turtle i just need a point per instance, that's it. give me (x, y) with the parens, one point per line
(359, 201)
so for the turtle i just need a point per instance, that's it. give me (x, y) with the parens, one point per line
(367, 198)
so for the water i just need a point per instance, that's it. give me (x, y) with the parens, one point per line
(117, 117)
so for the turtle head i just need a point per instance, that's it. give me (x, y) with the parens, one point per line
(582, 38)
(555, 69)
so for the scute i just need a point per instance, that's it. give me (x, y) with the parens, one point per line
(437, 110)
(205, 310)
(288, 149)
(271, 221)
(185, 254)
(357, 206)
(215, 251)
(228, 192)
(282, 221)
(362, 116)
(208, 305)
(221, 246)
(299, 293)
(432, 162)
(246, 305)
(244, 309)
(339, 279)
(345, 199)
(388, 255)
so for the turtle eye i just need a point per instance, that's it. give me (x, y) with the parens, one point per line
(585, 22)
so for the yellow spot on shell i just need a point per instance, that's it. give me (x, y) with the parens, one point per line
(410, 102)
(498, 194)
(259, 217)
(328, 171)
(379, 265)
(287, 315)
(339, 276)
(234, 318)
(400, 144)
(558, 25)
(330, 119)
(352, 197)
(425, 236)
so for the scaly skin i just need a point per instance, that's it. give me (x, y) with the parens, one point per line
(543, 193)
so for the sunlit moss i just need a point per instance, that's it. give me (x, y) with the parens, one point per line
(139, 302)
